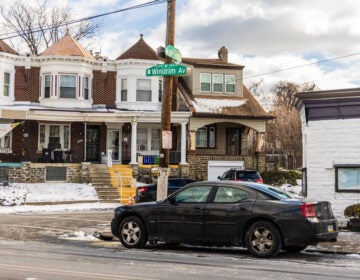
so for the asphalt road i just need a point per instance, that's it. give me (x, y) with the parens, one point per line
(50, 246)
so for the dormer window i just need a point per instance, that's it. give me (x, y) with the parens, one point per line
(67, 86)
(217, 83)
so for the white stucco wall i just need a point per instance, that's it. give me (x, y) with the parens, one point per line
(331, 142)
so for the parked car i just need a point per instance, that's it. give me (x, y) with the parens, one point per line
(149, 192)
(248, 175)
(262, 218)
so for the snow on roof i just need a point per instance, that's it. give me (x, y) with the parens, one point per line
(207, 105)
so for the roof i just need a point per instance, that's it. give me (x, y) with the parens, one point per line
(67, 46)
(5, 48)
(223, 106)
(210, 62)
(140, 50)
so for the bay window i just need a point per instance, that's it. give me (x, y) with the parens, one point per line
(143, 90)
(123, 89)
(67, 86)
(47, 86)
(6, 91)
(86, 88)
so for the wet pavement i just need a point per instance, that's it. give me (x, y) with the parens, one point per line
(348, 242)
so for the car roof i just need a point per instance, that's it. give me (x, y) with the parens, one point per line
(264, 188)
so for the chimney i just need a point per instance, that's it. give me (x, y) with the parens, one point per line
(223, 54)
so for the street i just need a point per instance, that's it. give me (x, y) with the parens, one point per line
(61, 246)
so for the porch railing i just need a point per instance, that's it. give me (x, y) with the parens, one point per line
(174, 158)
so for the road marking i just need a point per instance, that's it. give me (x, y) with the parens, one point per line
(70, 272)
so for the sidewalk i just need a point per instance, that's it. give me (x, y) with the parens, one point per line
(348, 242)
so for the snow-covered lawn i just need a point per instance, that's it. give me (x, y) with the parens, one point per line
(16, 197)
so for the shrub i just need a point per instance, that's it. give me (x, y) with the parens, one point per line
(278, 178)
(352, 211)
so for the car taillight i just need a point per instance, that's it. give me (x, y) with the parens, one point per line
(142, 189)
(259, 181)
(308, 210)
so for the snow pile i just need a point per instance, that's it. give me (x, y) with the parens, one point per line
(22, 193)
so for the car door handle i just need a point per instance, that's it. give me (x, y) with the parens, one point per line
(199, 208)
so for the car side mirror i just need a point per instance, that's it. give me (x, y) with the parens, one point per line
(219, 177)
(172, 199)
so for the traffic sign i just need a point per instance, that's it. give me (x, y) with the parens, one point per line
(173, 52)
(166, 70)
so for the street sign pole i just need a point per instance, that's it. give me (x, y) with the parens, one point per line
(166, 105)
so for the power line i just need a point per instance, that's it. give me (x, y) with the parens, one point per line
(16, 34)
(302, 65)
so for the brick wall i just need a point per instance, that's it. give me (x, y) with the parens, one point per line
(27, 86)
(104, 87)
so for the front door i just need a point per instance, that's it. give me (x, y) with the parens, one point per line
(92, 143)
(114, 144)
(233, 141)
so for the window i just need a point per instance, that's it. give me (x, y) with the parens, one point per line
(160, 90)
(123, 89)
(54, 136)
(47, 86)
(206, 137)
(86, 88)
(347, 178)
(230, 195)
(143, 90)
(230, 83)
(67, 86)
(193, 194)
(6, 143)
(141, 139)
(205, 82)
(155, 139)
(217, 83)
(6, 84)
(217, 80)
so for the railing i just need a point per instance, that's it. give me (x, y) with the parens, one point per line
(174, 158)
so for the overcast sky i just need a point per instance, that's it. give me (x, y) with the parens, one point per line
(263, 35)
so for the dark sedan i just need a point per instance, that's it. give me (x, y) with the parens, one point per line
(262, 218)
(149, 192)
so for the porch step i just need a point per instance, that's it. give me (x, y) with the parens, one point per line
(101, 180)
(122, 179)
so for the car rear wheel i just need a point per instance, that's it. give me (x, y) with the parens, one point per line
(263, 239)
(132, 233)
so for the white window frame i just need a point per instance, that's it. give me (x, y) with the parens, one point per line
(75, 86)
(202, 76)
(7, 85)
(143, 91)
(86, 87)
(226, 84)
(3, 149)
(43, 142)
(213, 84)
(141, 141)
(124, 90)
(50, 86)
(155, 139)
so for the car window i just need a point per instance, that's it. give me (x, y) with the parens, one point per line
(228, 175)
(193, 194)
(227, 194)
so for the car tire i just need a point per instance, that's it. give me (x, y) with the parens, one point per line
(263, 240)
(294, 249)
(132, 233)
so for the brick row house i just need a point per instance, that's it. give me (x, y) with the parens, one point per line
(75, 108)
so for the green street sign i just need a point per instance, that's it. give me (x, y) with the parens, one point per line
(166, 70)
(173, 52)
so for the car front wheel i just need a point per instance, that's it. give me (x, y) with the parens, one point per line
(263, 239)
(132, 233)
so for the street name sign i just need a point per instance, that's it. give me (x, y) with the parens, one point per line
(173, 52)
(166, 70)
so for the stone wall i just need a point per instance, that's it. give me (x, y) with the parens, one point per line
(36, 172)
(198, 164)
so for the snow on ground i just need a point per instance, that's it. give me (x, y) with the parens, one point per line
(16, 197)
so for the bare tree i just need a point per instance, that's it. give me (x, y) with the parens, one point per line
(284, 133)
(39, 24)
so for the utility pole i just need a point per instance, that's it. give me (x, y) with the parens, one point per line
(166, 107)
